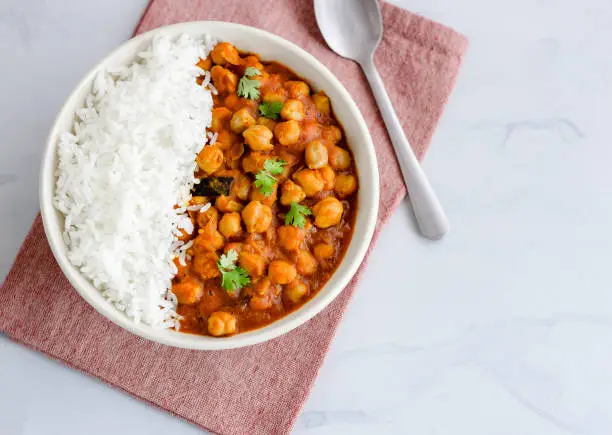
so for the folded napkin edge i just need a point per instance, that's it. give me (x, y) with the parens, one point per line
(424, 31)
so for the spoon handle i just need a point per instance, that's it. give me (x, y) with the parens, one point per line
(430, 216)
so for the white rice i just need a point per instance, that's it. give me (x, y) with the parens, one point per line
(195, 207)
(212, 137)
(206, 207)
(128, 162)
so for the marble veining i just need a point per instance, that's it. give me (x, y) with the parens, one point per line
(7, 179)
(546, 365)
(566, 129)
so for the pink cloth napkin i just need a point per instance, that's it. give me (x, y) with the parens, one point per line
(259, 389)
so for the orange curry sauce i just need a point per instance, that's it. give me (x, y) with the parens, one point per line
(286, 264)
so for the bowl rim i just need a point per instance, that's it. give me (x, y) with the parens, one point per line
(291, 321)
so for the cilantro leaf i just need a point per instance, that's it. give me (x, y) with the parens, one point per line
(251, 71)
(274, 166)
(265, 182)
(296, 215)
(228, 261)
(264, 179)
(232, 277)
(271, 110)
(235, 279)
(248, 88)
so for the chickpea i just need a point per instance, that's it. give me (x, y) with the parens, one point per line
(285, 173)
(227, 204)
(262, 287)
(296, 290)
(204, 64)
(220, 117)
(321, 102)
(256, 195)
(323, 251)
(270, 123)
(253, 161)
(310, 180)
(229, 225)
(288, 132)
(224, 80)
(257, 217)
(297, 89)
(291, 192)
(209, 218)
(305, 263)
(316, 154)
(205, 265)
(271, 97)
(241, 120)
(241, 187)
(225, 140)
(329, 177)
(311, 130)
(332, 134)
(345, 185)
(293, 109)
(233, 246)
(216, 241)
(235, 152)
(210, 159)
(339, 158)
(221, 323)
(258, 138)
(208, 239)
(188, 290)
(260, 303)
(253, 263)
(281, 272)
(327, 212)
(290, 237)
(232, 102)
(254, 242)
(254, 62)
(288, 156)
(225, 53)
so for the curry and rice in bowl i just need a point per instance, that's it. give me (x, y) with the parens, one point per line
(206, 189)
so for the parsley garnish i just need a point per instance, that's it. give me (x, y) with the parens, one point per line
(232, 277)
(264, 179)
(248, 87)
(271, 110)
(296, 215)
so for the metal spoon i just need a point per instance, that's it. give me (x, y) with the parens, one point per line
(353, 29)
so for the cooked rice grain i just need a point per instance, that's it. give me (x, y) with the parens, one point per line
(128, 162)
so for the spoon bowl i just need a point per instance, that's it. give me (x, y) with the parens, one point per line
(351, 28)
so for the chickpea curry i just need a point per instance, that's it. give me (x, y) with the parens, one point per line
(280, 188)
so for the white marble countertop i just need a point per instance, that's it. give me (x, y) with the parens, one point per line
(504, 328)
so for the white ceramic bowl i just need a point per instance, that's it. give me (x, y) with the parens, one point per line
(270, 47)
